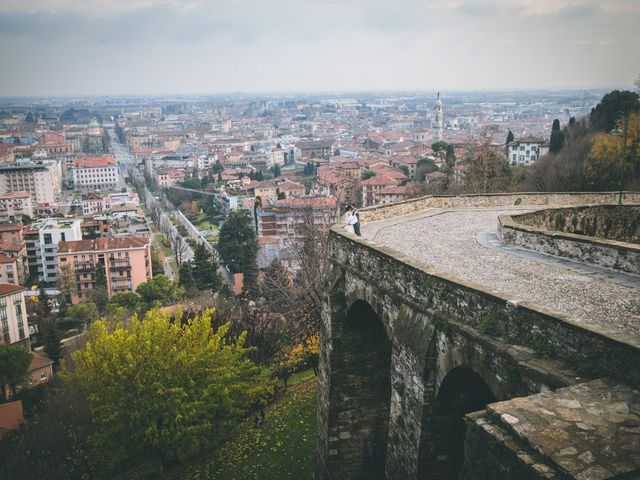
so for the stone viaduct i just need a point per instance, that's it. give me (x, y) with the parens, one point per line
(450, 351)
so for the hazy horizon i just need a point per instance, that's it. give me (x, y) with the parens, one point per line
(183, 47)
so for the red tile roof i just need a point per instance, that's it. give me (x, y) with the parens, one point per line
(10, 227)
(95, 162)
(9, 288)
(5, 259)
(11, 416)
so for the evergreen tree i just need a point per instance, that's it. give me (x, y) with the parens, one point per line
(185, 277)
(450, 156)
(276, 171)
(51, 340)
(237, 243)
(510, 137)
(43, 303)
(603, 117)
(556, 142)
(205, 269)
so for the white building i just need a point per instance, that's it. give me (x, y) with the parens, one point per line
(527, 150)
(42, 240)
(277, 156)
(42, 179)
(95, 173)
(13, 206)
(14, 328)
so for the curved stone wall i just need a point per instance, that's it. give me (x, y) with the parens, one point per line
(555, 232)
(416, 205)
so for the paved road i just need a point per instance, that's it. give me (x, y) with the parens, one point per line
(127, 162)
(460, 242)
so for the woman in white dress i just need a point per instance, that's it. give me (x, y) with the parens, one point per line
(349, 220)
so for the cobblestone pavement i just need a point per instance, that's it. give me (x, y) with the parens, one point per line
(446, 240)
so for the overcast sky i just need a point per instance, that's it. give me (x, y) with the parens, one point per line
(74, 47)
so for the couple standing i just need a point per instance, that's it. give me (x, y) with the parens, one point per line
(352, 220)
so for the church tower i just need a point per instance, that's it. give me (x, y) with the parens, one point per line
(437, 118)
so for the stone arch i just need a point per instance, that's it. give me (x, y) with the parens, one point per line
(360, 393)
(460, 392)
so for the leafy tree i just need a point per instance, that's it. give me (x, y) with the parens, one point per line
(438, 146)
(83, 313)
(603, 164)
(603, 117)
(100, 296)
(218, 167)
(67, 282)
(510, 137)
(556, 141)
(488, 170)
(59, 429)
(128, 300)
(425, 166)
(165, 388)
(368, 174)
(160, 289)
(205, 269)
(14, 362)
(237, 242)
(192, 182)
(563, 172)
(30, 118)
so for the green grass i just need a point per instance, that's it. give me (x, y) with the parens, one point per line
(300, 377)
(202, 222)
(283, 447)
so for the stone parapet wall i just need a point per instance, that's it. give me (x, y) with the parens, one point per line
(596, 251)
(609, 222)
(413, 206)
(594, 351)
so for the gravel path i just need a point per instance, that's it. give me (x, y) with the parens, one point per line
(447, 241)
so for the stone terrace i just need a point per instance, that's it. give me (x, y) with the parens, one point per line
(458, 241)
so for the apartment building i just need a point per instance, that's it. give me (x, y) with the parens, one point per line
(13, 206)
(42, 179)
(126, 263)
(95, 173)
(17, 252)
(282, 218)
(11, 233)
(14, 329)
(42, 239)
(8, 270)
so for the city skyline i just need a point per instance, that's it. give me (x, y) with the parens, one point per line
(112, 47)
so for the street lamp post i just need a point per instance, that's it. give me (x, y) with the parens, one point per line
(625, 128)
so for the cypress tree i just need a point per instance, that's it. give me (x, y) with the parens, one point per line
(510, 137)
(556, 142)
